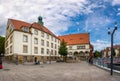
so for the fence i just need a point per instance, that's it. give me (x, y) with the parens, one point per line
(105, 63)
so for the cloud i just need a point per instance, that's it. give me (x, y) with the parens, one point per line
(116, 36)
(115, 2)
(97, 21)
(100, 44)
(118, 10)
(55, 13)
(118, 14)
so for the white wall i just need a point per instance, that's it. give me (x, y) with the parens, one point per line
(74, 48)
(18, 43)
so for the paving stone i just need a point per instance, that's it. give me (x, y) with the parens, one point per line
(55, 72)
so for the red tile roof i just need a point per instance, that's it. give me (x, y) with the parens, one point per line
(116, 46)
(38, 26)
(73, 39)
(19, 24)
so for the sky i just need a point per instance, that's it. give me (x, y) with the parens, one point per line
(67, 17)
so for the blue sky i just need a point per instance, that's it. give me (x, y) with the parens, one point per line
(67, 17)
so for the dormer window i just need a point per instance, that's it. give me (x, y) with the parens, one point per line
(42, 34)
(47, 36)
(36, 32)
(25, 29)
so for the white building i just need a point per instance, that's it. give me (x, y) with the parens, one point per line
(107, 51)
(78, 45)
(25, 41)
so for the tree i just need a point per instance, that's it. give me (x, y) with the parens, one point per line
(97, 54)
(2, 44)
(63, 50)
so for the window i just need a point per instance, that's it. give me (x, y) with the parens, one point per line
(11, 39)
(58, 46)
(25, 38)
(42, 34)
(42, 42)
(70, 47)
(51, 45)
(6, 43)
(51, 52)
(25, 49)
(35, 40)
(81, 47)
(55, 39)
(70, 53)
(55, 46)
(42, 50)
(10, 49)
(51, 38)
(25, 29)
(47, 51)
(36, 32)
(47, 44)
(55, 52)
(47, 36)
(7, 50)
(36, 50)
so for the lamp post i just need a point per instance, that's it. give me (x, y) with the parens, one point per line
(112, 33)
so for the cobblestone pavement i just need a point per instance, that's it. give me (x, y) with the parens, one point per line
(55, 72)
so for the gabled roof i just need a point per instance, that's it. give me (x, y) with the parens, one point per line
(19, 24)
(72, 39)
(42, 28)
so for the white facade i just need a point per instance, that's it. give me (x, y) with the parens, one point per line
(33, 42)
(82, 50)
(107, 52)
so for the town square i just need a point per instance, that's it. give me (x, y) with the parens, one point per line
(55, 72)
(67, 40)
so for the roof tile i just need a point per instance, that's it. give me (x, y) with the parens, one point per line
(19, 24)
(71, 39)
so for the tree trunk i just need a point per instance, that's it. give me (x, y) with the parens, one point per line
(65, 58)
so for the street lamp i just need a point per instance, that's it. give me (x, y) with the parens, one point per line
(112, 33)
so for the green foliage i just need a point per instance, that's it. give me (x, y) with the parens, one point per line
(2, 44)
(63, 48)
(97, 54)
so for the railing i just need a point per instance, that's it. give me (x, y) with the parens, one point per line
(105, 63)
